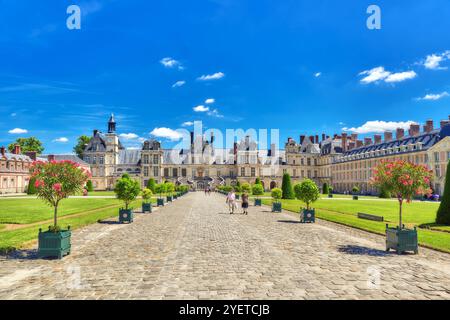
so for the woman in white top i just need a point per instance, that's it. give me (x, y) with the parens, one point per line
(231, 200)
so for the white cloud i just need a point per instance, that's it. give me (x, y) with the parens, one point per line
(210, 100)
(128, 136)
(433, 61)
(378, 126)
(166, 133)
(62, 140)
(400, 76)
(187, 124)
(179, 84)
(200, 108)
(317, 74)
(18, 131)
(215, 113)
(434, 96)
(215, 76)
(380, 74)
(169, 62)
(13, 114)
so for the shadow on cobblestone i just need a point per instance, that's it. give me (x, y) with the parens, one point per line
(359, 250)
(25, 254)
(288, 221)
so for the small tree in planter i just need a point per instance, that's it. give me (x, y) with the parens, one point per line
(147, 197)
(308, 192)
(276, 193)
(246, 187)
(330, 192)
(443, 214)
(127, 190)
(355, 191)
(170, 188)
(160, 188)
(53, 182)
(405, 180)
(286, 187)
(257, 191)
(151, 184)
(325, 189)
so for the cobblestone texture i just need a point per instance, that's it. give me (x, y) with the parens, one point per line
(194, 249)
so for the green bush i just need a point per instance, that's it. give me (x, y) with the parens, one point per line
(31, 187)
(147, 195)
(127, 189)
(325, 189)
(276, 194)
(89, 186)
(355, 190)
(384, 194)
(257, 189)
(258, 181)
(330, 190)
(443, 213)
(160, 188)
(151, 184)
(246, 187)
(170, 188)
(307, 191)
(286, 187)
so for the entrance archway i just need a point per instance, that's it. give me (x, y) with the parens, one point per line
(273, 184)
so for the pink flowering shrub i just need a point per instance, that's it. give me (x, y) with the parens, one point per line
(402, 179)
(56, 180)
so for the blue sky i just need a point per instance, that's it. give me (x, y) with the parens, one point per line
(298, 66)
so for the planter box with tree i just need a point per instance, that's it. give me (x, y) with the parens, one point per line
(257, 191)
(308, 192)
(127, 190)
(170, 188)
(53, 182)
(405, 180)
(276, 196)
(160, 188)
(330, 192)
(355, 191)
(146, 200)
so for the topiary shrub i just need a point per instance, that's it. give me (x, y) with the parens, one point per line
(307, 191)
(258, 181)
(257, 189)
(246, 187)
(325, 189)
(89, 186)
(151, 184)
(127, 190)
(355, 190)
(31, 187)
(276, 194)
(443, 213)
(147, 195)
(286, 187)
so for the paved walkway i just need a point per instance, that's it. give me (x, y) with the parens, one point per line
(194, 249)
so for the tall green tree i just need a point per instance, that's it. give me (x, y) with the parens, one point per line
(27, 144)
(325, 189)
(443, 214)
(286, 187)
(258, 181)
(82, 141)
(127, 190)
(151, 184)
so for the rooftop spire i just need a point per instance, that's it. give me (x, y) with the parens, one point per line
(111, 124)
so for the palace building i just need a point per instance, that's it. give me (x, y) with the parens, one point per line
(342, 161)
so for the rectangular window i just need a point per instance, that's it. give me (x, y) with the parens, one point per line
(308, 161)
(436, 157)
(175, 172)
(438, 171)
(145, 159)
(145, 171)
(166, 172)
(155, 171)
(184, 172)
(242, 171)
(253, 172)
(155, 159)
(101, 160)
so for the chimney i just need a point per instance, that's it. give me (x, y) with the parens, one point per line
(212, 137)
(16, 149)
(95, 132)
(302, 138)
(367, 141)
(351, 145)
(400, 133)
(2, 151)
(335, 136)
(359, 143)
(429, 126)
(317, 138)
(323, 137)
(31, 154)
(354, 137)
(444, 123)
(414, 130)
(387, 136)
(344, 142)
(51, 157)
(192, 137)
(311, 138)
(377, 138)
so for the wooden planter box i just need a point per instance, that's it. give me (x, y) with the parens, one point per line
(175, 197)
(258, 202)
(355, 197)
(308, 216)
(54, 244)
(160, 202)
(126, 215)
(169, 198)
(276, 207)
(237, 197)
(146, 207)
(401, 240)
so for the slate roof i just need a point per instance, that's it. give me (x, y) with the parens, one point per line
(71, 157)
(97, 143)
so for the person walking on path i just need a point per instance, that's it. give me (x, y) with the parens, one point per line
(231, 200)
(245, 203)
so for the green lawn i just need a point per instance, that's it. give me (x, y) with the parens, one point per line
(24, 211)
(345, 212)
